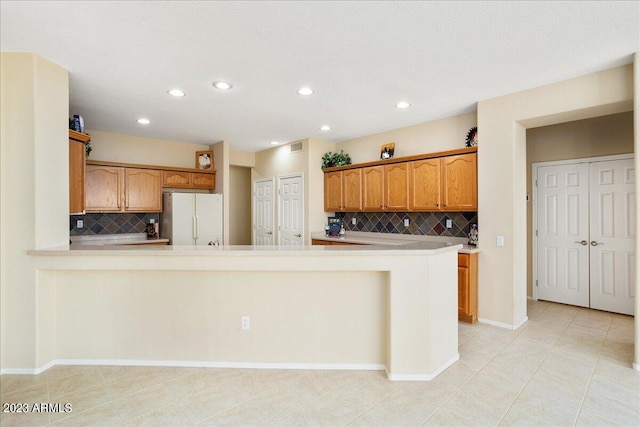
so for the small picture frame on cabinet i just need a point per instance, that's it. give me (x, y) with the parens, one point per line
(386, 151)
(204, 160)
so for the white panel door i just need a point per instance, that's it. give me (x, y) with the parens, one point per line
(563, 234)
(263, 208)
(612, 237)
(208, 219)
(291, 211)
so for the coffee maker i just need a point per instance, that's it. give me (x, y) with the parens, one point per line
(333, 227)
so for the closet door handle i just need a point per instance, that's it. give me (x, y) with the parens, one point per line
(582, 242)
(594, 243)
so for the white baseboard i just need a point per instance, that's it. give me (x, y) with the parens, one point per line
(425, 377)
(197, 364)
(503, 325)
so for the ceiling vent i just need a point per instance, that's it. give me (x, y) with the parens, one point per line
(296, 147)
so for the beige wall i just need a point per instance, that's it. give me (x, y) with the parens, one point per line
(240, 200)
(242, 158)
(221, 164)
(34, 197)
(636, 127)
(502, 170)
(439, 135)
(598, 136)
(114, 147)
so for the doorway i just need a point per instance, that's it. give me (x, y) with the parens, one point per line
(584, 239)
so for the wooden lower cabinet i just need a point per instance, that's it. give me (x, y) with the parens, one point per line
(330, 243)
(468, 288)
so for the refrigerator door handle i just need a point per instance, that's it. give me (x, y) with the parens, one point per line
(193, 227)
(197, 227)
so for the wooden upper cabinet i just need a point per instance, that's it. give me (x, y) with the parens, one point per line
(143, 190)
(205, 181)
(114, 189)
(176, 179)
(333, 191)
(343, 191)
(445, 181)
(77, 166)
(424, 185)
(460, 183)
(352, 190)
(396, 187)
(182, 179)
(104, 189)
(373, 188)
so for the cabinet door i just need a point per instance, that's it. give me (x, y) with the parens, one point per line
(424, 185)
(373, 188)
(332, 191)
(352, 190)
(143, 190)
(76, 176)
(396, 187)
(203, 180)
(460, 190)
(463, 291)
(104, 189)
(175, 179)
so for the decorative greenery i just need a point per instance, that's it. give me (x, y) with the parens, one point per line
(330, 159)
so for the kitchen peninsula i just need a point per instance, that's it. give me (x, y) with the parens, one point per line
(310, 307)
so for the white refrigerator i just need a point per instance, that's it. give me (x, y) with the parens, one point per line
(191, 218)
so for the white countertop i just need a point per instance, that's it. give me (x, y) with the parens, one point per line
(367, 238)
(113, 239)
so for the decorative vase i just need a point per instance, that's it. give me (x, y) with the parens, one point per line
(473, 235)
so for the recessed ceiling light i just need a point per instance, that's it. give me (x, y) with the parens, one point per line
(305, 91)
(175, 92)
(325, 128)
(403, 104)
(144, 121)
(274, 143)
(222, 85)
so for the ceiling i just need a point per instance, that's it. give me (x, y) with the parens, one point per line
(360, 57)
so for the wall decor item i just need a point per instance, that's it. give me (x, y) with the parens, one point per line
(330, 159)
(204, 160)
(387, 150)
(472, 137)
(473, 235)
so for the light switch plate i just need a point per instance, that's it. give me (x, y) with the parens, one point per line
(406, 222)
(353, 221)
(79, 223)
(500, 241)
(449, 223)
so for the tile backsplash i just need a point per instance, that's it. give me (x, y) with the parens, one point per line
(420, 223)
(111, 223)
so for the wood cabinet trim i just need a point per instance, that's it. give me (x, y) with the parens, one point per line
(80, 137)
(404, 159)
(154, 167)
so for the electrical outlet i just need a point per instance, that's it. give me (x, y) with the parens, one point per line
(79, 223)
(500, 241)
(353, 221)
(406, 222)
(246, 322)
(449, 223)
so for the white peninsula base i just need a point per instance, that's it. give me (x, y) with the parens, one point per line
(314, 307)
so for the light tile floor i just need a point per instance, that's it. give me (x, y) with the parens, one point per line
(565, 366)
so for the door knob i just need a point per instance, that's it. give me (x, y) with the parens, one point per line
(582, 242)
(594, 243)
(298, 235)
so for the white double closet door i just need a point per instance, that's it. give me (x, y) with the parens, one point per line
(585, 217)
